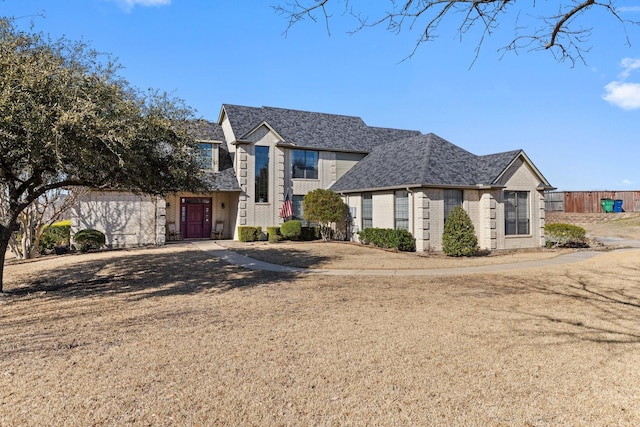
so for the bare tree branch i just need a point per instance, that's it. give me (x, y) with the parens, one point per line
(560, 33)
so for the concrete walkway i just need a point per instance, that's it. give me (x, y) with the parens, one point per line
(231, 257)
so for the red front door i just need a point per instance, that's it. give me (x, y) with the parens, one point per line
(196, 218)
(195, 221)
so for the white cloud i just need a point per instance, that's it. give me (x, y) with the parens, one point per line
(620, 93)
(627, 182)
(628, 9)
(130, 4)
(623, 95)
(629, 65)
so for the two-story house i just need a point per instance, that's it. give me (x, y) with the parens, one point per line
(390, 178)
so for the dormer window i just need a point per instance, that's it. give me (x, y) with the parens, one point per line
(208, 154)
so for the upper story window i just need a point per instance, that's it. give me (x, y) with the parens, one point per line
(516, 212)
(205, 155)
(262, 174)
(305, 164)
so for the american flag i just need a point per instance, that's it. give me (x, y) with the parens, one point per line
(286, 210)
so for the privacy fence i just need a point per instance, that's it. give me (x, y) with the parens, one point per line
(591, 201)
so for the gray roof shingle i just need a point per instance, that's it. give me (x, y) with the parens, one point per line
(225, 179)
(425, 160)
(321, 131)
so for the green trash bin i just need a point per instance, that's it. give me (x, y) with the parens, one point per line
(607, 205)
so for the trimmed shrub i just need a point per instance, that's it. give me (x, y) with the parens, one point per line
(388, 238)
(310, 233)
(291, 229)
(459, 237)
(89, 239)
(273, 234)
(565, 235)
(57, 235)
(247, 233)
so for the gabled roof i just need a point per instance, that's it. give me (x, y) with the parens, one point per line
(425, 160)
(306, 129)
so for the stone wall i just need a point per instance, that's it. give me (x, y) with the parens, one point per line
(587, 218)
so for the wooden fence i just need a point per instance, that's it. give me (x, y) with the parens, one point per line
(589, 201)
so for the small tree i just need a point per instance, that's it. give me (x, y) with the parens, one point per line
(324, 207)
(459, 237)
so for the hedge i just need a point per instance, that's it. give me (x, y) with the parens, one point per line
(247, 233)
(273, 234)
(89, 239)
(388, 238)
(565, 235)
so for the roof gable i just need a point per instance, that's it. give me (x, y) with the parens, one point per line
(425, 160)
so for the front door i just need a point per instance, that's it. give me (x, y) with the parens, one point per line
(196, 217)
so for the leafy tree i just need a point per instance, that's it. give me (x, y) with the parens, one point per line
(556, 27)
(459, 237)
(67, 119)
(324, 207)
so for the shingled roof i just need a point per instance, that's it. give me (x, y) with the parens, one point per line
(306, 129)
(225, 179)
(425, 160)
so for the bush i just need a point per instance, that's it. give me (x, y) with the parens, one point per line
(565, 235)
(56, 235)
(324, 207)
(273, 234)
(248, 233)
(310, 233)
(459, 237)
(291, 229)
(89, 239)
(388, 238)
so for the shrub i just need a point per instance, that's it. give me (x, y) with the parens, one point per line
(310, 233)
(459, 237)
(89, 239)
(565, 235)
(56, 235)
(324, 207)
(273, 234)
(247, 233)
(388, 238)
(291, 229)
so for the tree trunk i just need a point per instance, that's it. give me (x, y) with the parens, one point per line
(5, 235)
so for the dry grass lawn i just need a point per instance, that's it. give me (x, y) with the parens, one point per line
(170, 336)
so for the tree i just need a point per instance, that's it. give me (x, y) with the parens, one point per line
(324, 207)
(538, 25)
(67, 119)
(459, 236)
(35, 218)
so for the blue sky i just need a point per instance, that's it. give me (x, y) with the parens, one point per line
(580, 125)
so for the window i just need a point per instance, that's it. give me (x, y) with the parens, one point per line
(516, 212)
(298, 210)
(402, 210)
(296, 202)
(367, 210)
(452, 199)
(262, 174)
(305, 164)
(205, 155)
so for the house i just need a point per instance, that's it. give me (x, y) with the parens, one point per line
(389, 178)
